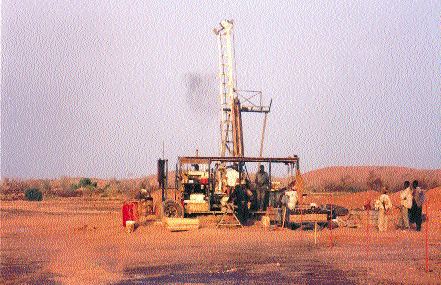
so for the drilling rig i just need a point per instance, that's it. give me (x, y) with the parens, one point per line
(199, 179)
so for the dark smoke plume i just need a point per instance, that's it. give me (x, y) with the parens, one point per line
(202, 94)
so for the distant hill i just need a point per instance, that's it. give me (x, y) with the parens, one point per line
(365, 178)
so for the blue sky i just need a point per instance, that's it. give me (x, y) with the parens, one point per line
(93, 89)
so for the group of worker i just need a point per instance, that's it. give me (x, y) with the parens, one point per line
(257, 198)
(243, 195)
(412, 199)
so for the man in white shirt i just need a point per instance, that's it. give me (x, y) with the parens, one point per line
(289, 202)
(232, 178)
(405, 206)
(292, 199)
(383, 205)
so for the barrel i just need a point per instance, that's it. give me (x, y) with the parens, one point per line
(129, 212)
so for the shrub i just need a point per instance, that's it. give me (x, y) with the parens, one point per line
(84, 186)
(46, 188)
(86, 183)
(65, 188)
(86, 191)
(13, 186)
(33, 194)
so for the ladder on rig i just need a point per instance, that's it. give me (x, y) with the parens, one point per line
(230, 103)
(227, 92)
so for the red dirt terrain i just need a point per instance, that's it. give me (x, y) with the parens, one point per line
(82, 241)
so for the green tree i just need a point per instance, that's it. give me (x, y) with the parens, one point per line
(33, 194)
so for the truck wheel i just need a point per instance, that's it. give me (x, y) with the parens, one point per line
(171, 209)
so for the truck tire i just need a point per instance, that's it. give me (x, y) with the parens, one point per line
(171, 209)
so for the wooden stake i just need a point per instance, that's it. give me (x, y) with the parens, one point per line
(330, 222)
(427, 237)
(284, 217)
(367, 232)
(315, 233)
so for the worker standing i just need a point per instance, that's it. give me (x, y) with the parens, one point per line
(262, 185)
(284, 211)
(232, 178)
(417, 205)
(293, 198)
(289, 203)
(240, 198)
(383, 205)
(405, 206)
(250, 195)
(219, 171)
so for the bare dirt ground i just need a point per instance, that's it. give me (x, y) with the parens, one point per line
(79, 241)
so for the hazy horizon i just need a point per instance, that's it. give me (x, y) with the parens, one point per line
(94, 89)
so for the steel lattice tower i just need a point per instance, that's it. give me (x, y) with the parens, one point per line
(230, 104)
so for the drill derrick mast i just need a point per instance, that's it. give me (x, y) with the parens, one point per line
(203, 182)
(227, 94)
(230, 97)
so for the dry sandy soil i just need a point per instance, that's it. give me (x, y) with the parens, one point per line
(79, 241)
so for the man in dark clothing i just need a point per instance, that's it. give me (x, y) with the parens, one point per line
(240, 198)
(416, 211)
(262, 185)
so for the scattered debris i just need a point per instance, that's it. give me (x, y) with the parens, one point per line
(337, 210)
(352, 220)
(85, 228)
(181, 224)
